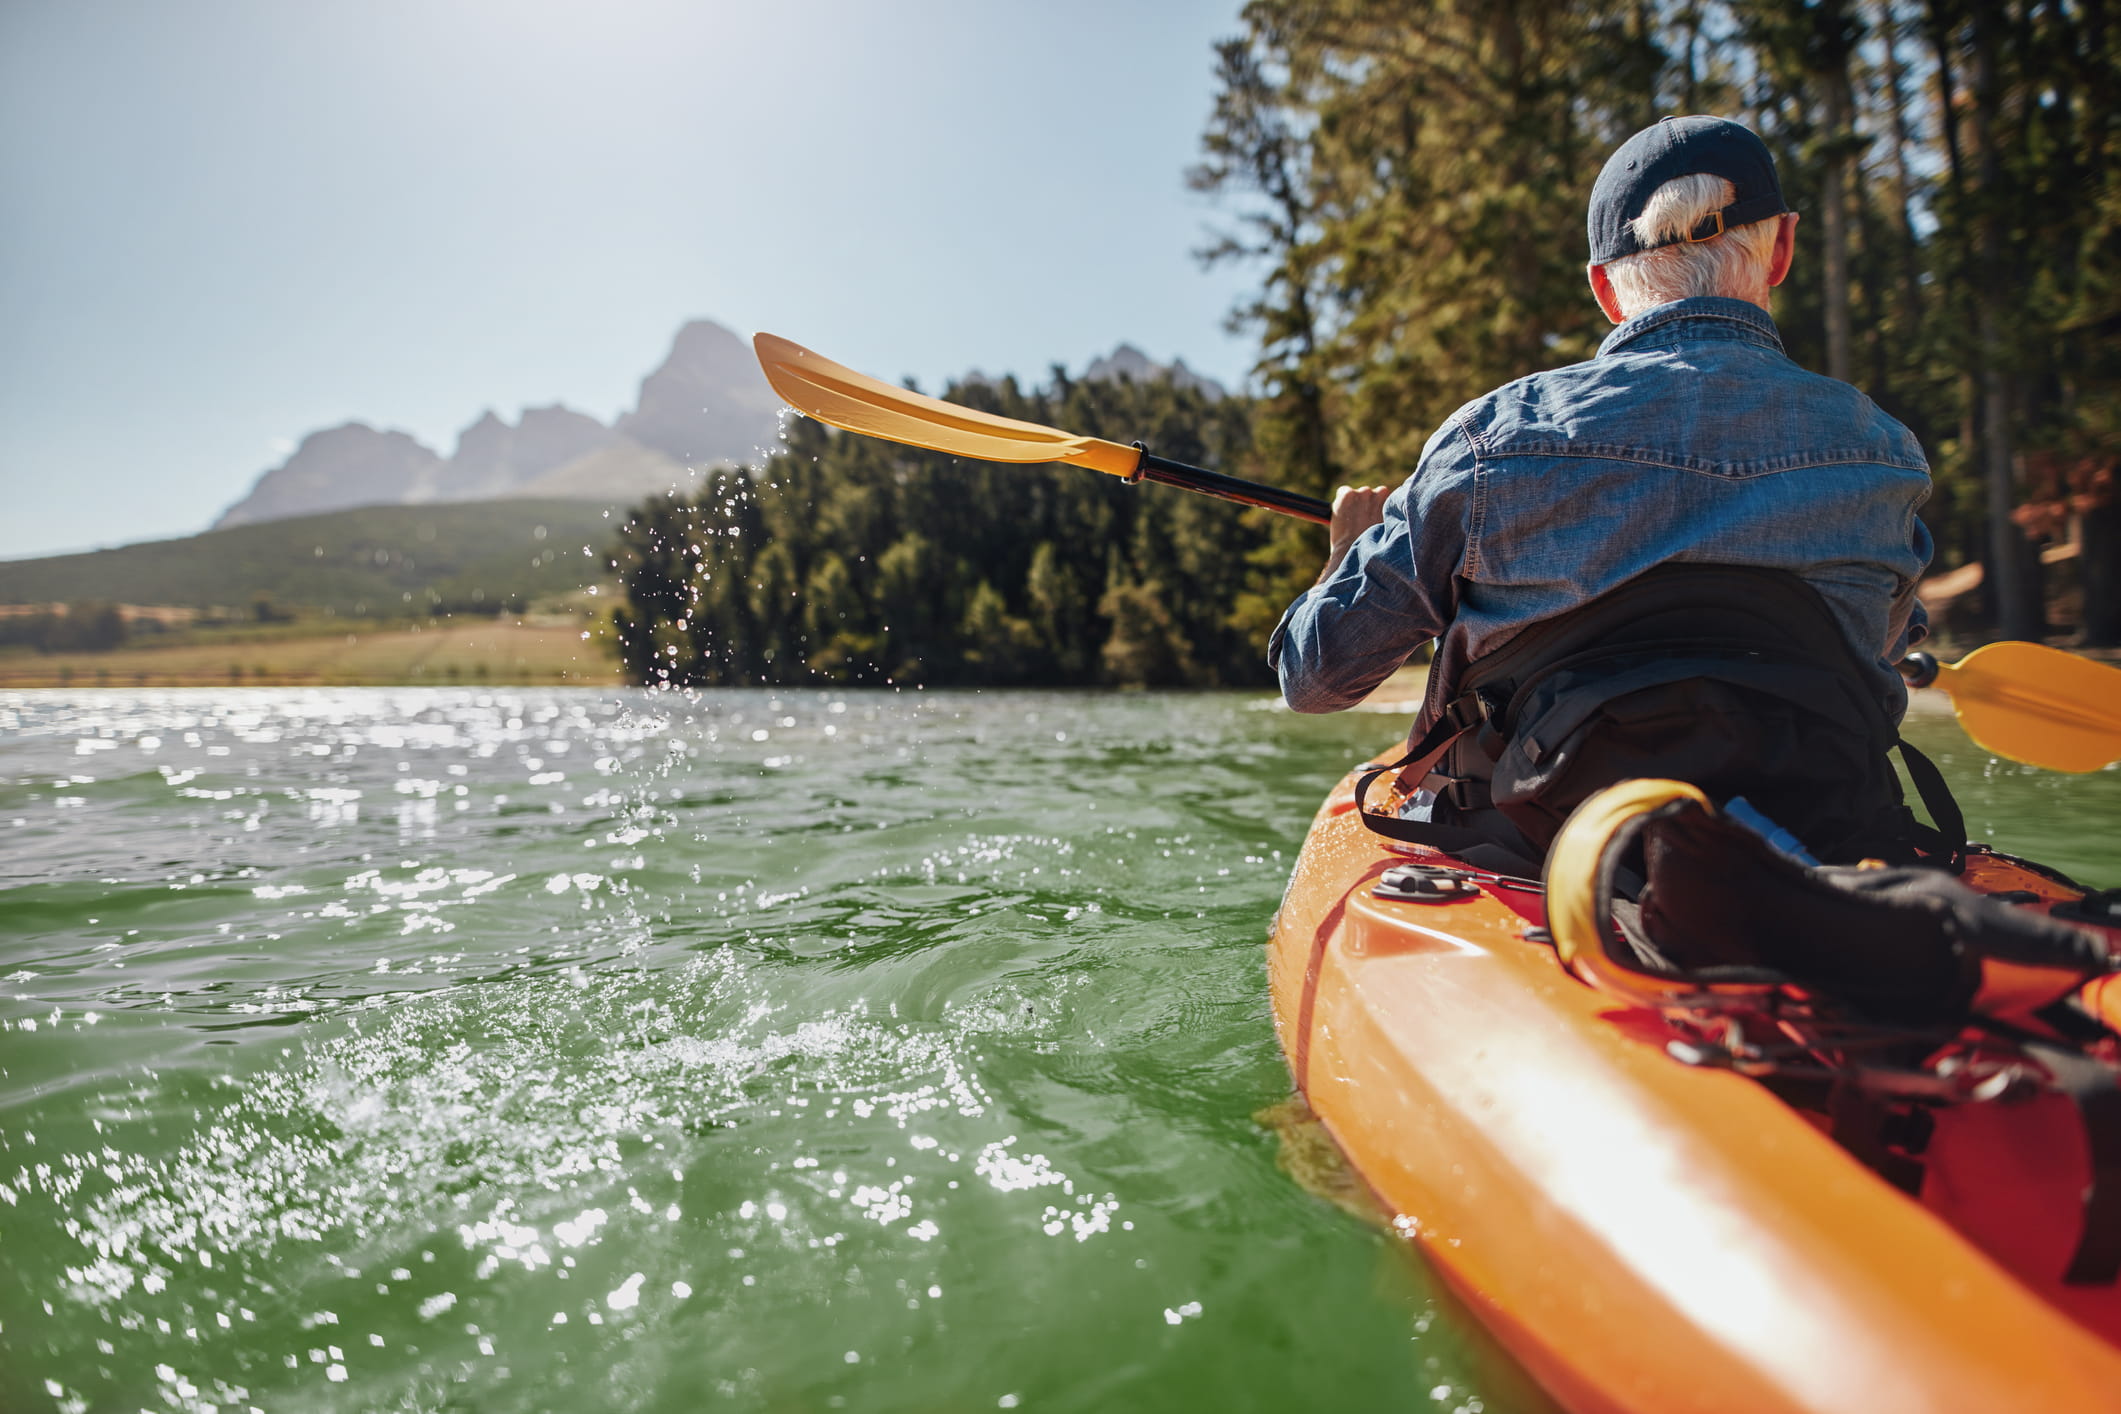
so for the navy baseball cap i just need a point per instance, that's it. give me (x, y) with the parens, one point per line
(1681, 147)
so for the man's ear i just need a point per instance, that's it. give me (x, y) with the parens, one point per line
(1785, 250)
(1602, 288)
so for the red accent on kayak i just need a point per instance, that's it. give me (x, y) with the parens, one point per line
(1651, 1236)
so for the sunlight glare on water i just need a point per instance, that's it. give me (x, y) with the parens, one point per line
(377, 1049)
(516, 1050)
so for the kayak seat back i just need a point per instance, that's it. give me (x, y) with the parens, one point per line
(1735, 679)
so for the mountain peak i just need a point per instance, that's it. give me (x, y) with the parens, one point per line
(349, 465)
(1129, 362)
(495, 459)
(708, 402)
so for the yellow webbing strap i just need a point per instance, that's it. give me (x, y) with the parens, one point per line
(1573, 913)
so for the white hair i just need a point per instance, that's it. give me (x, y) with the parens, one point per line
(1734, 264)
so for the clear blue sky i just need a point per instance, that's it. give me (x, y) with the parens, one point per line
(226, 223)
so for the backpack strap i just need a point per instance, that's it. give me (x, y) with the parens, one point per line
(1947, 840)
(1460, 715)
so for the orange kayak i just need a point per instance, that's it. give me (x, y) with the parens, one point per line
(1645, 1234)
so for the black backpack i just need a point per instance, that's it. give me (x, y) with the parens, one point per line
(1735, 679)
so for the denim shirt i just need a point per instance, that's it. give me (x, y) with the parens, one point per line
(1690, 437)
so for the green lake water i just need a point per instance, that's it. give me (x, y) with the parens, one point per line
(517, 1050)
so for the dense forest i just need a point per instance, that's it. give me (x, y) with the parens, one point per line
(1411, 179)
(1408, 179)
(851, 560)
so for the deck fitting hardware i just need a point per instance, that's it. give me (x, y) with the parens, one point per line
(1424, 883)
(2102, 906)
(1703, 1053)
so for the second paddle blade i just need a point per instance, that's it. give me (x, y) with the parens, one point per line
(2038, 705)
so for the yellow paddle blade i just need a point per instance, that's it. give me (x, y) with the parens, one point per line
(817, 387)
(2038, 705)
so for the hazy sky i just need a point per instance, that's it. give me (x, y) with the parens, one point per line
(226, 223)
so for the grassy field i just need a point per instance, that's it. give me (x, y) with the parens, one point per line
(466, 651)
(373, 560)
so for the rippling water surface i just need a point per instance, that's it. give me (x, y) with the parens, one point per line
(413, 1050)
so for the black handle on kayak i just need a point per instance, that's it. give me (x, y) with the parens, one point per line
(1919, 668)
(1230, 488)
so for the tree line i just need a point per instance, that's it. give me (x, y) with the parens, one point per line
(93, 627)
(846, 559)
(1408, 180)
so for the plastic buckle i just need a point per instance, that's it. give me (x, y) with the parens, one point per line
(2101, 907)
(1458, 792)
(1464, 711)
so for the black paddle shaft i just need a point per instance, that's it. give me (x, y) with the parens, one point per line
(1230, 488)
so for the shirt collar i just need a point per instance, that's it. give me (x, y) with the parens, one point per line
(1735, 316)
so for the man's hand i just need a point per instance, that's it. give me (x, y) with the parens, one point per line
(1355, 509)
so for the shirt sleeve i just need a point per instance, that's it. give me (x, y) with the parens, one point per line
(1397, 588)
(1918, 626)
(1909, 621)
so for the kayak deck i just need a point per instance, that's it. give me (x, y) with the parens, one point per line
(1648, 1235)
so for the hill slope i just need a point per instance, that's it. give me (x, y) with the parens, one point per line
(624, 472)
(375, 560)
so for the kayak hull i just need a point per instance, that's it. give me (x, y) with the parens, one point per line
(1648, 1236)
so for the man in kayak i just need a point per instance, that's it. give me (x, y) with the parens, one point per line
(1691, 438)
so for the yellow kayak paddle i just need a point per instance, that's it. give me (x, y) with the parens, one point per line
(2031, 703)
(835, 394)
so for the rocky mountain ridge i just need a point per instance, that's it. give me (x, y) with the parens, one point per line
(493, 458)
(705, 405)
(1127, 361)
(1131, 363)
(340, 467)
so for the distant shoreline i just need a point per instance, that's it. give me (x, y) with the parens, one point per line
(467, 653)
(464, 653)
